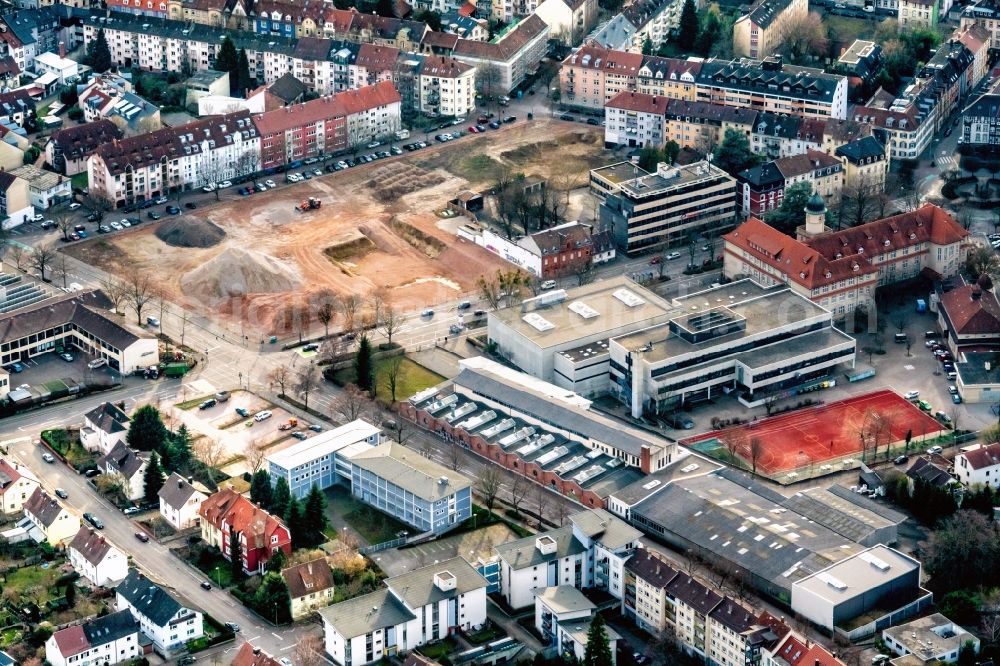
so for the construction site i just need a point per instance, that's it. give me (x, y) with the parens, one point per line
(382, 227)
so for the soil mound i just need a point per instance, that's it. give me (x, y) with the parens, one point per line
(238, 272)
(187, 231)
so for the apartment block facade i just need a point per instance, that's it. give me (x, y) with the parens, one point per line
(759, 33)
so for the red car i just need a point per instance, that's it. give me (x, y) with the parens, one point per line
(473, 130)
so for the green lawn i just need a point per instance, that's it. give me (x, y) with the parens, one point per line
(439, 649)
(215, 567)
(413, 378)
(373, 525)
(849, 28)
(34, 583)
(79, 180)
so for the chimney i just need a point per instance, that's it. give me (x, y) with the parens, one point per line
(976, 294)
(62, 49)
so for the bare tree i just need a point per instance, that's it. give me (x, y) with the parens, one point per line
(351, 402)
(98, 203)
(139, 291)
(518, 489)
(455, 456)
(756, 451)
(17, 255)
(349, 309)
(64, 223)
(42, 259)
(248, 165)
(858, 202)
(770, 402)
(306, 381)
(115, 291)
(326, 310)
(280, 376)
(735, 441)
(401, 429)
(585, 274)
(60, 271)
(308, 651)
(488, 483)
(488, 80)
(393, 371)
(390, 323)
(253, 455)
(210, 452)
(540, 500)
(805, 39)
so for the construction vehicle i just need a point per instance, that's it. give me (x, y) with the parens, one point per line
(175, 369)
(312, 203)
(292, 423)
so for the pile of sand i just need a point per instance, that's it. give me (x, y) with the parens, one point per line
(238, 272)
(188, 231)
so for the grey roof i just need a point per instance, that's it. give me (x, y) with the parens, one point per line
(110, 628)
(43, 507)
(565, 599)
(879, 508)
(648, 567)
(91, 545)
(973, 369)
(523, 553)
(863, 148)
(108, 417)
(287, 88)
(694, 594)
(176, 491)
(749, 76)
(148, 598)
(367, 613)
(121, 460)
(926, 470)
(732, 615)
(417, 588)
(658, 480)
(578, 630)
(985, 106)
(765, 11)
(410, 471)
(601, 526)
(582, 422)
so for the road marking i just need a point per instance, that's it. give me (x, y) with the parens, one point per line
(253, 638)
(287, 647)
(276, 636)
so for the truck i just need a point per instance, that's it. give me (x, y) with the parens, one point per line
(292, 423)
(312, 203)
(175, 370)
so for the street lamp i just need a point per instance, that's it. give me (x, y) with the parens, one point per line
(218, 577)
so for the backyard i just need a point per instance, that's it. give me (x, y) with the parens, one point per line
(209, 561)
(371, 524)
(66, 442)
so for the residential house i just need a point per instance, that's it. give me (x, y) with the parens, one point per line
(14, 144)
(250, 655)
(45, 189)
(591, 76)
(104, 427)
(259, 534)
(310, 587)
(56, 524)
(635, 120)
(979, 42)
(15, 200)
(558, 605)
(180, 502)
(861, 62)
(979, 465)
(762, 187)
(840, 270)
(60, 69)
(17, 107)
(17, 484)
(414, 608)
(168, 624)
(569, 20)
(866, 164)
(932, 470)
(981, 124)
(128, 466)
(112, 97)
(68, 149)
(99, 641)
(985, 14)
(761, 31)
(969, 317)
(95, 559)
(933, 639)
(562, 250)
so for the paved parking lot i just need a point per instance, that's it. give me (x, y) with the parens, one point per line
(46, 367)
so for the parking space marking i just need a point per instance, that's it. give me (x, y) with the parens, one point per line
(909, 368)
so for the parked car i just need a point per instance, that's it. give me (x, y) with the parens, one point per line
(208, 404)
(48, 224)
(117, 226)
(233, 627)
(924, 405)
(222, 396)
(262, 416)
(61, 494)
(48, 457)
(428, 312)
(66, 356)
(97, 363)
(153, 215)
(242, 412)
(205, 585)
(934, 449)
(455, 329)
(190, 205)
(298, 434)
(173, 210)
(131, 510)
(899, 460)
(956, 399)
(94, 520)
(548, 284)
(143, 537)
(567, 117)
(316, 428)
(312, 346)
(911, 395)
(162, 200)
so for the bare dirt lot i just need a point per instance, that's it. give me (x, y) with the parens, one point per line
(379, 229)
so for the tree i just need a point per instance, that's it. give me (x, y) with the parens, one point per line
(389, 323)
(488, 483)
(734, 154)
(756, 450)
(210, 452)
(296, 521)
(386, 8)
(260, 489)
(964, 552)
(326, 309)
(272, 600)
(351, 402)
(277, 561)
(153, 478)
(859, 202)
(316, 520)
(649, 157)
(60, 271)
(180, 448)
(253, 455)
(98, 204)
(488, 79)
(687, 32)
(805, 39)
(306, 381)
(146, 431)
(455, 456)
(280, 376)
(430, 17)
(64, 223)
(243, 80)
(139, 291)
(308, 651)
(41, 259)
(69, 592)
(280, 497)
(791, 214)
(98, 53)
(18, 256)
(518, 491)
(598, 652)
(364, 366)
(960, 606)
(349, 310)
(115, 291)
(735, 441)
(647, 46)
(227, 60)
(392, 375)
(235, 553)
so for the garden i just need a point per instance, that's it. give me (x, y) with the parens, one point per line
(66, 442)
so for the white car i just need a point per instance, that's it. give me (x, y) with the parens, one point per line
(911, 395)
(934, 449)
(117, 226)
(342, 164)
(38, 218)
(162, 200)
(262, 416)
(673, 255)
(74, 206)
(224, 184)
(270, 183)
(125, 223)
(208, 188)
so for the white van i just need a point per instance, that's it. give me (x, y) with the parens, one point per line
(549, 284)
(262, 416)
(97, 363)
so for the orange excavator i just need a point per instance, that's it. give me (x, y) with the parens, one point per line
(312, 203)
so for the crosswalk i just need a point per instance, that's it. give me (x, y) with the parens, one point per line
(946, 162)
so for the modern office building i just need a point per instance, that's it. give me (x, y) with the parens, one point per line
(410, 487)
(669, 207)
(321, 460)
(740, 337)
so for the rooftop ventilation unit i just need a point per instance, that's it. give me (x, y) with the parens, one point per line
(583, 309)
(538, 322)
(628, 297)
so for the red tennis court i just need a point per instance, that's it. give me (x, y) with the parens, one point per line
(825, 432)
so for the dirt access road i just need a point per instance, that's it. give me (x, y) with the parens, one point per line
(379, 229)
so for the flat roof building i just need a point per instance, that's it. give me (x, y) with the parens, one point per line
(322, 460)
(928, 640)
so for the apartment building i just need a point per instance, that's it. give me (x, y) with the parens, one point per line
(759, 33)
(840, 270)
(515, 53)
(258, 533)
(635, 120)
(866, 164)
(652, 20)
(322, 460)
(168, 624)
(762, 187)
(569, 20)
(592, 76)
(981, 123)
(410, 487)
(701, 126)
(150, 165)
(68, 149)
(45, 188)
(986, 15)
(447, 87)
(111, 96)
(414, 608)
(665, 208)
(668, 77)
(770, 85)
(915, 14)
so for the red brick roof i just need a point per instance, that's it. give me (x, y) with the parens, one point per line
(340, 19)
(441, 40)
(251, 656)
(72, 640)
(841, 254)
(308, 577)
(797, 165)
(340, 105)
(509, 45)
(228, 506)
(444, 67)
(369, 97)
(378, 58)
(608, 60)
(987, 456)
(11, 473)
(971, 310)
(82, 140)
(640, 102)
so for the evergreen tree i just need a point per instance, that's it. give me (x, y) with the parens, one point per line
(277, 561)
(146, 431)
(385, 8)
(791, 214)
(272, 600)
(647, 47)
(153, 478)
(70, 594)
(316, 520)
(430, 17)
(364, 366)
(281, 495)
(260, 489)
(99, 57)
(227, 60)
(598, 652)
(734, 153)
(296, 522)
(235, 554)
(243, 73)
(181, 448)
(687, 32)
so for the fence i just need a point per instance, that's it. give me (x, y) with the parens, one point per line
(385, 545)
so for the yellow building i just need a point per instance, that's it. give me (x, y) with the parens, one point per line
(50, 518)
(310, 587)
(760, 32)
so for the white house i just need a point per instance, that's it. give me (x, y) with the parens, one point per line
(179, 502)
(102, 641)
(167, 623)
(416, 607)
(103, 427)
(571, 641)
(590, 552)
(17, 483)
(63, 69)
(56, 524)
(979, 465)
(95, 559)
(45, 188)
(128, 466)
(555, 606)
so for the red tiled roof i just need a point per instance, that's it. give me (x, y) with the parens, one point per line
(340, 105)
(71, 640)
(442, 40)
(510, 45)
(468, 9)
(248, 657)
(974, 37)
(612, 62)
(11, 472)
(971, 310)
(257, 525)
(369, 97)
(308, 577)
(444, 67)
(378, 58)
(987, 456)
(797, 165)
(340, 19)
(640, 102)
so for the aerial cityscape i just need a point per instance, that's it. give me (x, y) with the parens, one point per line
(536, 332)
